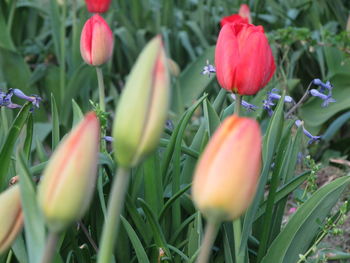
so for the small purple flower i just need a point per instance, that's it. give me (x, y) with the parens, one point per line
(35, 100)
(323, 86)
(271, 96)
(312, 138)
(208, 69)
(108, 138)
(326, 98)
(245, 104)
(5, 100)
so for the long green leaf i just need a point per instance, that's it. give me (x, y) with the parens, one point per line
(34, 225)
(7, 148)
(136, 243)
(298, 234)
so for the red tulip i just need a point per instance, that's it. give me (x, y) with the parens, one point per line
(97, 6)
(96, 41)
(243, 58)
(227, 173)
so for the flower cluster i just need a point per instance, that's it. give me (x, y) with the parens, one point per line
(324, 87)
(5, 99)
(271, 97)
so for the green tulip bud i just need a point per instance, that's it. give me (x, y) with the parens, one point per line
(67, 184)
(143, 106)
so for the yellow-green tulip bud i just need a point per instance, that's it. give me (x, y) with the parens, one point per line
(143, 106)
(67, 184)
(11, 216)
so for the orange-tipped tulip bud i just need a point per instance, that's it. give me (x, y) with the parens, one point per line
(96, 41)
(243, 58)
(143, 106)
(227, 173)
(244, 12)
(67, 184)
(97, 6)
(11, 217)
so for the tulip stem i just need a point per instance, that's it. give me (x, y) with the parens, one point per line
(237, 233)
(50, 247)
(101, 88)
(115, 206)
(238, 104)
(208, 241)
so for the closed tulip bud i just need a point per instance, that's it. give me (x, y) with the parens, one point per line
(143, 106)
(96, 41)
(348, 25)
(243, 58)
(97, 6)
(11, 217)
(68, 181)
(227, 173)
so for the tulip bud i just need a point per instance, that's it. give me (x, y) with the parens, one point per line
(227, 173)
(244, 12)
(68, 181)
(143, 106)
(243, 58)
(348, 25)
(97, 6)
(11, 217)
(96, 41)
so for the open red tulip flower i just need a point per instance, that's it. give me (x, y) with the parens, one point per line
(96, 41)
(97, 6)
(243, 58)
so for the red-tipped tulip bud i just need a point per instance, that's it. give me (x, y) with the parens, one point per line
(67, 184)
(97, 6)
(244, 12)
(143, 106)
(227, 173)
(243, 58)
(11, 217)
(96, 41)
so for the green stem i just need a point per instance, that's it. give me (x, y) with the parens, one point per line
(208, 241)
(63, 52)
(101, 88)
(115, 206)
(237, 233)
(9, 257)
(50, 248)
(238, 104)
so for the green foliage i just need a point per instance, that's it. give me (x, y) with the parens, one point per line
(39, 54)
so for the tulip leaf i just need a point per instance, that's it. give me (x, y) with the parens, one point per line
(77, 113)
(284, 191)
(270, 142)
(300, 231)
(19, 249)
(192, 82)
(212, 118)
(55, 123)
(335, 126)
(14, 70)
(29, 137)
(33, 221)
(8, 146)
(136, 243)
(5, 36)
(157, 231)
